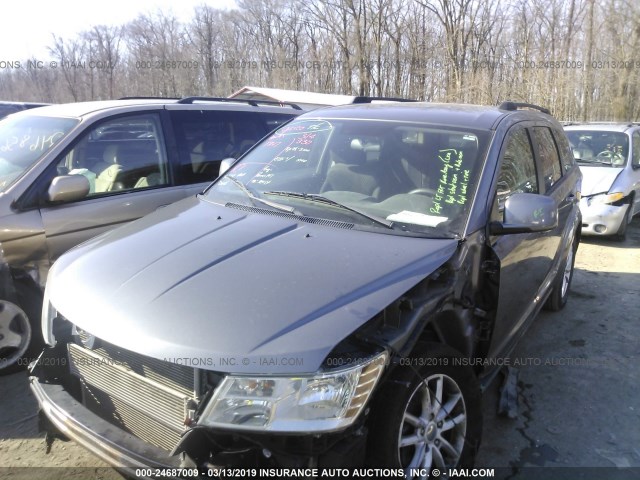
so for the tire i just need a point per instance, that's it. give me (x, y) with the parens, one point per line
(621, 234)
(409, 410)
(562, 283)
(20, 335)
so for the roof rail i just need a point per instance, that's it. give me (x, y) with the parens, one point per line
(149, 98)
(512, 106)
(384, 99)
(253, 103)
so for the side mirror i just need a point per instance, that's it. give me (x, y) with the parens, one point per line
(527, 213)
(67, 188)
(226, 165)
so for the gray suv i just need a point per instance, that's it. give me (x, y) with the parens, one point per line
(70, 172)
(339, 297)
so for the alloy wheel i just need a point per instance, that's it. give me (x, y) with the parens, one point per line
(15, 333)
(434, 425)
(566, 276)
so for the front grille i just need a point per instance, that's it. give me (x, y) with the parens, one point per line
(144, 396)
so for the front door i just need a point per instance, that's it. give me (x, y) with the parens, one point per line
(125, 162)
(523, 258)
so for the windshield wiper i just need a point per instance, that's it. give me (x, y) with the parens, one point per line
(314, 197)
(254, 198)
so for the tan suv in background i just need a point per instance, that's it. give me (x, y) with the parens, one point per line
(70, 172)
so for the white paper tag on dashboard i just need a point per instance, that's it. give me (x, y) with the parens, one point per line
(416, 218)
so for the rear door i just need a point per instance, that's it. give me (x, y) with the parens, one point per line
(555, 185)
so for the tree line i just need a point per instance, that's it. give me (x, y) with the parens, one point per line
(580, 58)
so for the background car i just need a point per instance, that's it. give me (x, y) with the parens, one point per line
(7, 108)
(70, 172)
(609, 158)
(339, 297)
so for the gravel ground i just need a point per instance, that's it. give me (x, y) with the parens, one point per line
(579, 394)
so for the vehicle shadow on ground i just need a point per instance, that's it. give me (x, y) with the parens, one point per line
(19, 408)
(579, 384)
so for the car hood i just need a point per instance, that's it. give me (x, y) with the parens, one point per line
(597, 179)
(218, 288)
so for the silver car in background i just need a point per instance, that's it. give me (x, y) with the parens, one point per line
(70, 172)
(609, 158)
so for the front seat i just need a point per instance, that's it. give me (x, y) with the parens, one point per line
(107, 170)
(350, 171)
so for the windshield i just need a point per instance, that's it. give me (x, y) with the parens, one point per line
(403, 178)
(24, 139)
(599, 147)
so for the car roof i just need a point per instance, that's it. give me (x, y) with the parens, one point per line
(80, 109)
(453, 114)
(602, 126)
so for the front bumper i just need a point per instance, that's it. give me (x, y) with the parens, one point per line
(136, 458)
(116, 447)
(601, 219)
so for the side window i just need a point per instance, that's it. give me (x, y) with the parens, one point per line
(517, 170)
(566, 154)
(121, 154)
(549, 158)
(207, 137)
(636, 149)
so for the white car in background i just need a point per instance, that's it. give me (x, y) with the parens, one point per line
(609, 158)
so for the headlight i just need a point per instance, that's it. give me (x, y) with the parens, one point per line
(48, 314)
(606, 198)
(322, 402)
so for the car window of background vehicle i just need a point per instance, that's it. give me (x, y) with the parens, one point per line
(23, 140)
(120, 154)
(207, 137)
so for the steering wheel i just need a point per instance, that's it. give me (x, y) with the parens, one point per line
(612, 157)
(423, 191)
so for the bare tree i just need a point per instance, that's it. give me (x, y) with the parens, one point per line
(579, 57)
(70, 55)
(104, 44)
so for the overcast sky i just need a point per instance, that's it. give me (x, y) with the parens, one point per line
(27, 25)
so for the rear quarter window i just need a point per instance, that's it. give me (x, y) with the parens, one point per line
(548, 156)
(564, 147)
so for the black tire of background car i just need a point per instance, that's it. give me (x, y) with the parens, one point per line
(30, 300)
(392, 400)
(557, 300)
(621, 234)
